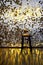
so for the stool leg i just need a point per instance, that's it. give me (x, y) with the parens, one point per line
(22, 43)
(30, 44)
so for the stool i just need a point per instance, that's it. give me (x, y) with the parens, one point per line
(29, 39)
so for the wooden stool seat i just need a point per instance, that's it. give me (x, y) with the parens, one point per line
(25, 34)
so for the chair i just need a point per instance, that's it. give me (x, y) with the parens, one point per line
(24, 35)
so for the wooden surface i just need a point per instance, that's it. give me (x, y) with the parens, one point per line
(25, 34)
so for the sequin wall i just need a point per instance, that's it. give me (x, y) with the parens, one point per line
(16, 15)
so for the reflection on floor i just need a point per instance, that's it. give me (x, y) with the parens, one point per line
(14, 56)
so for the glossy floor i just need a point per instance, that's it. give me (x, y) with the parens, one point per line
(9, 56)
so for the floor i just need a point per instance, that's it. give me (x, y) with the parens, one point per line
(13, 56)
